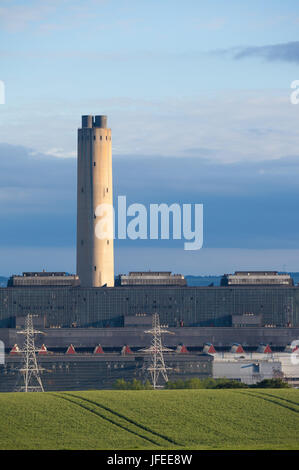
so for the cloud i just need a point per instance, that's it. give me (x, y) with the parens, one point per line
(250, 204)
(54, 16)
(15, 17)
(224, 127)
(31, 182)
(246, 204)
(60, 153)
(285, 52)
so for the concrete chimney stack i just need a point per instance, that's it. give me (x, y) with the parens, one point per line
(95, 259)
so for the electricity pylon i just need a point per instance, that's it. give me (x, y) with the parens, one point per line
(157, 365)
(30, 369)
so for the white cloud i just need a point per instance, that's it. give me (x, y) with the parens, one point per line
(227, 127)
(60, 153)
(15, 17)
(49, 16)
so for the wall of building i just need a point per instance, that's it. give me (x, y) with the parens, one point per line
(246, 371)
(87, 372)
(106, 307)
(194, 338)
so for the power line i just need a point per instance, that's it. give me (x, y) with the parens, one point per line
(157, 366)
(30, 369)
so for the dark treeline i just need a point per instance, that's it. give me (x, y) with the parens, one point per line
(196, 383)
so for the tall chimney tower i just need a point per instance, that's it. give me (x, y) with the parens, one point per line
(95, 261)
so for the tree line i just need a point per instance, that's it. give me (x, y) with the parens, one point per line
(196, 383)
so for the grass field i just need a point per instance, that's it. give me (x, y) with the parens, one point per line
(166, 419)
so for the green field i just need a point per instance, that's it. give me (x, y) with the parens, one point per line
(166, 419)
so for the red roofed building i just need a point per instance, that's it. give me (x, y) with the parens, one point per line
(209, 348)
(43, 350)
(98, 350)
(181, 349)
(126, 350)
(15, 349)
(237, 349)
(264, 349)
(70, 350)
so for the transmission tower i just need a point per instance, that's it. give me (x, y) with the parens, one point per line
(30, 369)
(157, 365)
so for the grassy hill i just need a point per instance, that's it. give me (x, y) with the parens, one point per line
(167, 419)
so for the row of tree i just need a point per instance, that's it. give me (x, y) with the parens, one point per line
(196, 383)
(135, 384)
(210, 383)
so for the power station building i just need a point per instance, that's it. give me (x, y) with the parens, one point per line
(264, 307)
(256, 278)
(91, 308)
(94, 298)
(151, 278)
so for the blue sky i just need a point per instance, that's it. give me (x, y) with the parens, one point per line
(198, 98)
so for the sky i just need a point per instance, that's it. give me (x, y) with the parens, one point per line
(198, 98)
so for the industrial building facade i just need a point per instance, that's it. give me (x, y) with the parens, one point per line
(88, 308)
(257, 278)
(274, 306)
(90, 372)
